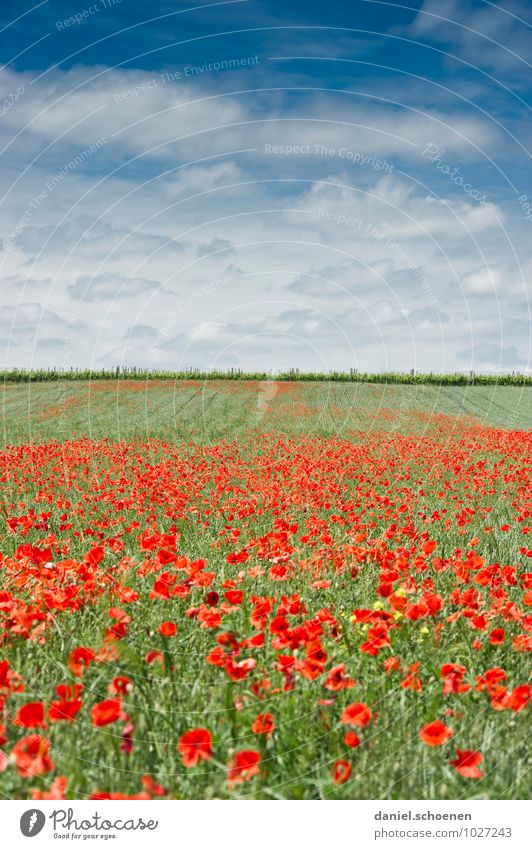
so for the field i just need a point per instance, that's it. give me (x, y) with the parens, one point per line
(265, 590)
(206, 411)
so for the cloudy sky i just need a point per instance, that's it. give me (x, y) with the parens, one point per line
(266, 184)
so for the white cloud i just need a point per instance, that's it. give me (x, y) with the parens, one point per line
(489, 36)
(108, 287)
(322, 258)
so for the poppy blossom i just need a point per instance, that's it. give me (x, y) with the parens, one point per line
(435, 733)
(351, 739)
(241, 669)
(154, 657)
(264, 723)
(30, 715)
(31, 756)
(234, 596)
(168, 629)
(453, 674)
(65, 709)
(243, 766)
(412, 681)
(356, 714)
(341, 772)
(497, 636)
(152, 787)
(519, 697)
(338, 680)
(195, 746)
(120, 686)
(68, 705)
(103, 713)
(80, 659)
(57, 790)
(467, 763)
(126, 745)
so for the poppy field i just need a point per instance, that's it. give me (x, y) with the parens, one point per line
(265, 591)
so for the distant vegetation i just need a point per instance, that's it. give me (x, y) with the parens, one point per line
(352, 376)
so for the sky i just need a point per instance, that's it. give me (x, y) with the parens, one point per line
(266, 185)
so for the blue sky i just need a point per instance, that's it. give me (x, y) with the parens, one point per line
(273, 185)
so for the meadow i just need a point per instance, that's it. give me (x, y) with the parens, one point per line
(265, 589)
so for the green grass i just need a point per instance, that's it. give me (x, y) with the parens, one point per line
(412, 377)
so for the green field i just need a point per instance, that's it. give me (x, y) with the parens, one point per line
(213, 410)
(330, 583)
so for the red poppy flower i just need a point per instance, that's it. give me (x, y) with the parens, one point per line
(120, 686)
(351, 739)
(377, 639)
(151, 786)
(126, 745)
(240, 670)
(264, 723)
(168, 629)
(10, 681)
(519, 697)
(234, 596)
(154, 656)
(95, 556)
(452, 674)
(30, 715)
(466, 763)
(497, 636)
(412, 681)
(491, 678)
(342, 772)
(435, 733)
(243, 766)
(356, 714)
(80, 659)
(209, 617)
(66, 709)
(106, 712)
(256, 641)
(57, 790)
(30, 755)
(337, 679)
(390, 664)
(522, 643)
(69, 691)
(195, 746)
